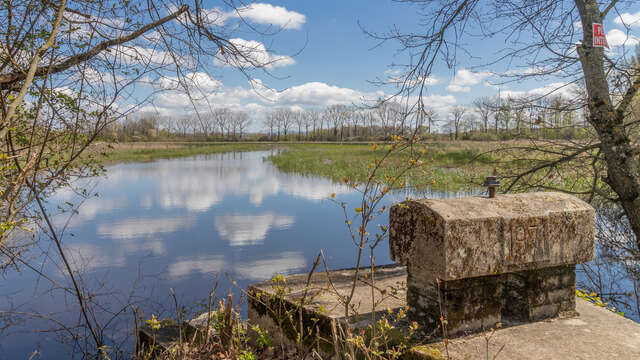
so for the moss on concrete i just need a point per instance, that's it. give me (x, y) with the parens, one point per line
(422, 352)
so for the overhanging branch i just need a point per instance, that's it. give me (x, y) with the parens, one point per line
(7, 80)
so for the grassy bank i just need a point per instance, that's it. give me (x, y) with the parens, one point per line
(149, 151)
(447, 166)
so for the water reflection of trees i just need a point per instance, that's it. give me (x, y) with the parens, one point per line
(615, 273)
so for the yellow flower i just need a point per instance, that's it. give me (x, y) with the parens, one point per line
(154, 323)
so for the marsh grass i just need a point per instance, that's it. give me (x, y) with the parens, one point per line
(447, 166)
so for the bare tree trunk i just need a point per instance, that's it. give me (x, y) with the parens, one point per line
(622, 161)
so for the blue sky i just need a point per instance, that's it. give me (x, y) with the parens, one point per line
(323, 57)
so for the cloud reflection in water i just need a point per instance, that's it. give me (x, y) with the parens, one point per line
(154, 209)
(284, 263)
(243, 230)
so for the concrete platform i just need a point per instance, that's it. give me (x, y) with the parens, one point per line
(390, 291)
(595, 333)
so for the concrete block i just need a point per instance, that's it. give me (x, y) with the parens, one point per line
(478, 261)
(450, 239)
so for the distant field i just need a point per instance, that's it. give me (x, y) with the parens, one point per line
(149, 151)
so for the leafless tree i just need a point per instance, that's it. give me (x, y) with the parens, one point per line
(337, 115)
(207, 123)
(557, 47)
(299, 118)
(68, 70)
(286, 119)
(271, 123)
(308, 122)
(456, 120)
(430, 117)
(482, 107)
(241, 120)
(315, 119)
(388, 113)
(372, 121)
(359, 117)
(222, 117)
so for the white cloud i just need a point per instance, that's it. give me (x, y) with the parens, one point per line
(242, 230)
(318, 93)
(568, 91)
(440, 103)
(617, 37)
(198, 80)
(143, 55)
(201, 264)
(394, 78)
(250, 177)
(258, 13)
(628, 19)
(95, 206)
(512, 94)
(464, 79)
(467, 77)
(531, 70)
(257, 97)
(430, 80)
(565, 90)
(268, 14)
(139, 227)
(286, 263)
(65, 90)
(87, 257)
(254, 54)
(457, 88)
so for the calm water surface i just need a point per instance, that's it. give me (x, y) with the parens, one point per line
(179, 224)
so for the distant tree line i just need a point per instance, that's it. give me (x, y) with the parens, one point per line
(344, 123)
(501, 119)
(220, 124)
(485, 118)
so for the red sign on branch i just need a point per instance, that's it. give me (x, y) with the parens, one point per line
(599, 38)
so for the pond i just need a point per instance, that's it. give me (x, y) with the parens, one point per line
(181, 224)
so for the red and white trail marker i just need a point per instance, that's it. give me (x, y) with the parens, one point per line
(599, 38)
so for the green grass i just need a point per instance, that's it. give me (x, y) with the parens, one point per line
(451, 166)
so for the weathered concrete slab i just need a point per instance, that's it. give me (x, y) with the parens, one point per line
(166, 337)
(451, 239)
(322, 295)
(593, 334)
(270, 301)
